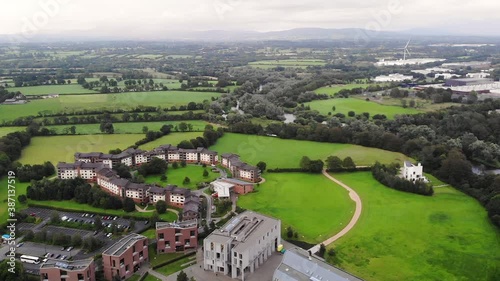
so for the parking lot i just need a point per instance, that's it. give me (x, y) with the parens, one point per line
(86, 218)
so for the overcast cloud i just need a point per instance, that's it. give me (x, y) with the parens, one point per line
(142, 18)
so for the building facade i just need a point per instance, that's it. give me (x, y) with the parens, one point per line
(80, 270)
(176, 237)
(242, 244)
(125, 257)
(240, 170)
(413, 173)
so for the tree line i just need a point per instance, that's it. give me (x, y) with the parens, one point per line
(27, 173)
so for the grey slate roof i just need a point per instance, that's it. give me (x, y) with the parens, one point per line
(296, 266)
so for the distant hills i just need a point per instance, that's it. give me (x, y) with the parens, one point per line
(298, 34)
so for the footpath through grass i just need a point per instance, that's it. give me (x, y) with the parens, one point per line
(403, 236)
(281, 153)
(314, 206)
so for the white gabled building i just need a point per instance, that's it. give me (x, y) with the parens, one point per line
(413, 173)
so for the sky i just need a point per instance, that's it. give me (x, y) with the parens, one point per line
(148, 17)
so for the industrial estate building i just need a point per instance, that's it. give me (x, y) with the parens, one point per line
(242, 244)
(80, 270)
(176, 237)
(125, 257)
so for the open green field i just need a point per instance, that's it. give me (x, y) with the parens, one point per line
(334, 89)
(176, 176)
(297, 63)
(52, 89)
(313, 205)
(72, 103)
(71, 205)
(424, 105)
(20, 188)
(126, 128)
(62, 148)
(7, 130)
(403, 236)
(281, 153)
(173, 139)
(358, 106)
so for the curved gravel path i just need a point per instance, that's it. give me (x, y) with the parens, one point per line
(357, 213)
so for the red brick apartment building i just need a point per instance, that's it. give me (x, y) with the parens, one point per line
(176, 237)
(125, 256)
(80, 270)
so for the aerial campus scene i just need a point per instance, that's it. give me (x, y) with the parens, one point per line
(250, 140)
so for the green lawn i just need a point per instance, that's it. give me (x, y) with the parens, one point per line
(287, 153)
(74, 206)
(176, 176)
(76, 103)
(358, 106)
(52, 89)
(176, 266)
(403, 236)
(173, 139)
(156, 259)
(7, 130)
(313, 205)
(334, 89)
(150, 233)
(63, 148)
(150, 277)
(126, 128)
(20, 189)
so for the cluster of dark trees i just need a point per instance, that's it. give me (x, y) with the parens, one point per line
(27, 173)
(446, 142)
(157, 166)
(152, 135)
(77, 189)
(33, 79)
(335, 164)
(11, 146)
(4, 94)
(311, 166)
(387, 175)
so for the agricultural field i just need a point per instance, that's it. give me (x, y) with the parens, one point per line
(53, 89)
(71, 205)
(173, 139)
(332, 90)
(281, 153)
(358, 106)
(7, 130)
(20, 189)
(176, 176)
(71, 103)
(62, 148)
(403, 236)
(424, 105)
(313, 205)
(295, 63)
(126, 128)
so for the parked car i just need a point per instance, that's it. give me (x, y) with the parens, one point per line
(62, 248)
(20, 244)
(115, 218)
(69, 249)
(47, 255)
(58, 256)
(64, 257)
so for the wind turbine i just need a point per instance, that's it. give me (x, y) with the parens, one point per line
(405, 50)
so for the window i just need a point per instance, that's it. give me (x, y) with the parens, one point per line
(80, 276)
(141, 254)
(133, 249)
(126, 268)
(191, 233)
(63, 272)
(218, 255)
(122, 262)
(161, 236)
(212, 246)
(177, 231)
(114, 263)
(187, 241)
(241, 256)
(167, 244)
(235, 254)
(176, 238)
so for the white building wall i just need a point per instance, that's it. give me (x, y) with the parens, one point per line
(127, 161)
